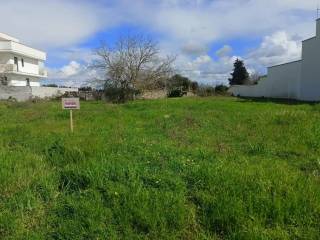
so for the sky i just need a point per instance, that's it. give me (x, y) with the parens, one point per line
(205, 35)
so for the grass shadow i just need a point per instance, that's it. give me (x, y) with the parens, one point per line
(276, 101)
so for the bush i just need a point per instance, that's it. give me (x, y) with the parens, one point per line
(86, 89)
(120, 95)
(175, 93)
(205, 91)
(221, 89)
(194, 87)
(184, 83)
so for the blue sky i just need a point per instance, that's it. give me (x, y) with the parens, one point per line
(206, 35)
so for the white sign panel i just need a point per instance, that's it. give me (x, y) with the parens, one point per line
(70, 103)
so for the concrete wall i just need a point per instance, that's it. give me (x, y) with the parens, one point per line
(26, 93)
(310, 80)
(282, 82)
(48, 92)
(19, 93)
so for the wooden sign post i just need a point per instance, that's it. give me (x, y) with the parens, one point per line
(71, 104)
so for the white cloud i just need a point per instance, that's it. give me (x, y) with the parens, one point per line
(193, 48)
(207, 70)
(53, 23)
(187, 28)
(277, 48)
(72, 74)
(201, 22)
(224, 51)
(71, 69)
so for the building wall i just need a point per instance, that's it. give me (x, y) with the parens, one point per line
(282, 82)
(310, 78)
(31, 66)
(5, 58)
(297, 80)
(21, 81)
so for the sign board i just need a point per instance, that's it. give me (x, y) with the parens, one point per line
(71, 103)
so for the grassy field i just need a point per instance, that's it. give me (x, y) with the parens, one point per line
(212, 168)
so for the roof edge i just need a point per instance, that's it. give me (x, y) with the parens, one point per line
(285, 63)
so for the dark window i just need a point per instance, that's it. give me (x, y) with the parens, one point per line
(28, 82)
(4, 81)
(22, 62)
(16, 63)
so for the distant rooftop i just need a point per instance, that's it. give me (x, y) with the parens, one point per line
(5, 37)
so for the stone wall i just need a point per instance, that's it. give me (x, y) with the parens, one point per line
(156, 94)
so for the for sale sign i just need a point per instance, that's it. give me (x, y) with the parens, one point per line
(70, 103)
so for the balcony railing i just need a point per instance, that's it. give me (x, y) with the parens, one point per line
(9, 68)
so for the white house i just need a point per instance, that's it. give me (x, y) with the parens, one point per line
(20, 65)
(295, 80)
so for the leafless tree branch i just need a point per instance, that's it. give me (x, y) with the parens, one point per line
(134, 62)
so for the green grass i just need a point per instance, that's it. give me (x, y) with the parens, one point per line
(212, 168)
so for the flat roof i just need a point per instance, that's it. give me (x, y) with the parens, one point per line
(5, 37)
(285, 63)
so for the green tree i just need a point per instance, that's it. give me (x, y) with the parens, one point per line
(240, 74)
(179, 82)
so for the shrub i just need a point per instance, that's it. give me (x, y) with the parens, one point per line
(221, 89)
(120, 95)
(194, 87)
(205, 91)
(175, 93)
(51, 85)
(183, 83)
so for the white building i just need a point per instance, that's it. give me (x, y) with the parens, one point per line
(295, 80)
(20, 65)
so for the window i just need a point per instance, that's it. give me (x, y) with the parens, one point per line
(4, 80)
(28, 82)
(16, 63)
(22, 62)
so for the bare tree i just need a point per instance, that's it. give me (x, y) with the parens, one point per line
(254, 78)
(133, 63)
